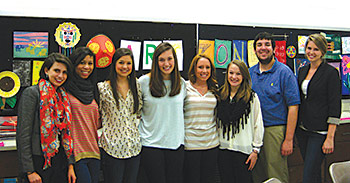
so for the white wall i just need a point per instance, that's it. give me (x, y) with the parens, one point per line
(310, 14)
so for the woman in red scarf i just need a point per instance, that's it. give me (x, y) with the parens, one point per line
(44, 142)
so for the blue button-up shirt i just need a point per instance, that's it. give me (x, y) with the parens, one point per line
(277, 89)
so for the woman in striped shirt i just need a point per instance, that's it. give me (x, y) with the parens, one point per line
(201, 137)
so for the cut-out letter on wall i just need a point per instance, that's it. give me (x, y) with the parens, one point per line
(135, 47)
(239, 50)
(206, 47)
(223, 52)
(252, 58)
(148, 49)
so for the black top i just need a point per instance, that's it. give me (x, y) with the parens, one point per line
(323, 100)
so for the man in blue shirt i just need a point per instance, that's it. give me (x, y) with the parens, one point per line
(278, 92)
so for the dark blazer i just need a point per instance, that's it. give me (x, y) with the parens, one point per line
(323, 101)
(28, 129)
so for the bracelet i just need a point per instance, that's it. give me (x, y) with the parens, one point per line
(256, 150)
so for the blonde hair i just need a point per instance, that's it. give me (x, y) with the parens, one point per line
(320, 41)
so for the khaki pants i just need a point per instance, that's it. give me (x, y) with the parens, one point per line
(271, 163)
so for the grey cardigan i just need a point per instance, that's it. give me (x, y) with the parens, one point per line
(28, 129)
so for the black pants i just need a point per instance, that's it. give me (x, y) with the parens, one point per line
(162, 165)
(201, 166)
(57, 173)
(233, 168)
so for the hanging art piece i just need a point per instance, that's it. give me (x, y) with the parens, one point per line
(252, 58)
(36, 70)
(345, 42)
(223, 51)
(333, 49)
(301, 44)
(9, 84)
(177, 45)
(206, 47)
(345, 74)
(299, 63)
(280, 51)
(103, 48)
(135, 47)
(148, 49)
(22, 69)
(239, 50)
(30, 44)
(291, 51)
(67, 35)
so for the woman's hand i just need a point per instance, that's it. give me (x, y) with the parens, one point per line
(34, 178)
(252, 158)
(71, 175)
(328, 146)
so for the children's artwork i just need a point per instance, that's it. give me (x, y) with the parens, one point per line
(36, 70)
(280, 51)
(239, 50)
(345, 74)
(301, 44)
(9, 84)
(177, 45)
(30, 44)
(148, 49)
(223, 52)
(335, 65)
(103, 48)
(333, 50)
(22, 69)
(252, 58)
(67, 35)
(345, 42)
(135, 47)
(291, 51)
(299, 63)
(206, 47)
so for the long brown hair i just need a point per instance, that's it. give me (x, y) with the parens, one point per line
(211, 82)
(131, 78)
(244, 90)
(157, 86)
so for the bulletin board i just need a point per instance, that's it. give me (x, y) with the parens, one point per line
(115, 30)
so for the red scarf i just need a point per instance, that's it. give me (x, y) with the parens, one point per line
(55, 117)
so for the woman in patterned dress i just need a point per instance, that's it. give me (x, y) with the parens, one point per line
(120, 106)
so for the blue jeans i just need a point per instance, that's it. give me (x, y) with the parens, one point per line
(87, 170)
(310, 144)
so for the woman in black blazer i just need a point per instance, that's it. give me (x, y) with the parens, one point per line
(319, 112)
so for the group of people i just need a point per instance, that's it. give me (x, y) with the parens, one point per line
(177, 130)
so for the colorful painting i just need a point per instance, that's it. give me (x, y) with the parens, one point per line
(291, 51)
(135, 47)
(345, 74)
(223, 51)
(148, 49)
(280, 51)
(22, 69)
(177, 45)
(36, 70)
(239, 50)
(333, 43)
(67, 35)
(103, 48)
(345, 42)
(252, 58)
(206, 47)
(301, 44)
(299, 63)
(30, 44)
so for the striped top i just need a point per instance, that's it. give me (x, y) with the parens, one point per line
(85, 122)
(200, 127)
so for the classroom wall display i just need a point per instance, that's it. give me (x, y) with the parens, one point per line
(30, 44)
(206, 47)
(345, 42)
(291, 51)
(135, 47)
(103, 48)
(239, 48)
(22, 69)
(280, 51)
(334, 46)
(148, 49)
(177, 45)
(9, 84)
(301, 44)
(299, 63)
(222, 54)
(67, 35)
(252, 58)
(345, 74)
(36, 70)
